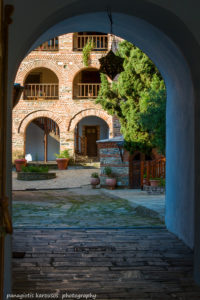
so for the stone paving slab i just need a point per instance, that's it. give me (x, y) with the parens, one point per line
(117, 270)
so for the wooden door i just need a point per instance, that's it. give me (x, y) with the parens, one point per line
(136, 184)
(91, 138)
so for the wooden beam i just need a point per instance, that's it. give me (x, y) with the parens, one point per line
(5, 219)
(1, 152)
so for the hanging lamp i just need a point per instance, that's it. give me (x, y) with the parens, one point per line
(111, 64)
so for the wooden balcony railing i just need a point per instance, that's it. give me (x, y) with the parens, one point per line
(88, 90)
(100, 42)
(42, 91)
(51, 45)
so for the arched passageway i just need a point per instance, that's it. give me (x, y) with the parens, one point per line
(42, 140)
(87, 132)
(171, 41)
(165, 54)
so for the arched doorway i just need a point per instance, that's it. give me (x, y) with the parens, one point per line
(42, 140)
(87, 132)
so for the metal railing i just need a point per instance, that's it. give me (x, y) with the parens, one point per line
(41, 91)
(100, 42)
(51, 45)
(88, 90)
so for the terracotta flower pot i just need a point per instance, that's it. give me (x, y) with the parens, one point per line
(19, 163)
(145, 181)
(94, 182)
(154, 182)
(111, 182)
(62, 163)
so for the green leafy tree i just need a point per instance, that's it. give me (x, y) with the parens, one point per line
(129, 98)
(153, 114)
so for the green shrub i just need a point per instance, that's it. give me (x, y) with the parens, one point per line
(162, 182)
(108, 171)
(63, 154)
(155, 178)
(95, 175)
(35, 169)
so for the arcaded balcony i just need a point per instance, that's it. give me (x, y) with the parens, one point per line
(86, 84)
(51, 45)
(99, 40)
(41, 84)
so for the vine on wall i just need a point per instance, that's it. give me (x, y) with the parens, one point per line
(89, 46)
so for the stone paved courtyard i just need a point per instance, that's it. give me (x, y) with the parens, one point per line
(79, 177)
(79, 207)
(134, 264)
(72, 177)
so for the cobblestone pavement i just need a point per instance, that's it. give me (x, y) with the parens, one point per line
(153, 205)
(134, 264)
(72, 177)
(79, 207)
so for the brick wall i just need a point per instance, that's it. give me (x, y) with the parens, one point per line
(66, 111)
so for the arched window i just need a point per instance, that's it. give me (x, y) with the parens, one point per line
(86, 84)
(41, 84)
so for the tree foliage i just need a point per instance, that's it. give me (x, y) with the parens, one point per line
(138, 99)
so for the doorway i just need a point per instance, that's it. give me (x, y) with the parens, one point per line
(91, 134)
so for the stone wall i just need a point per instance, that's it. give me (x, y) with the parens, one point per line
(110, 157)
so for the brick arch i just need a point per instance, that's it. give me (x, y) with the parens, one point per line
(38, 114)
(82, 69)
(22, 73)
(88, 113)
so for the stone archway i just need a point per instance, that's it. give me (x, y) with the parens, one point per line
(172, 41)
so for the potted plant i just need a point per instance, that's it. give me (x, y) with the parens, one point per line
(19, 162)
(94, 180)
(111, 181)
(62, 159)
(145, 181)
(154, 181)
